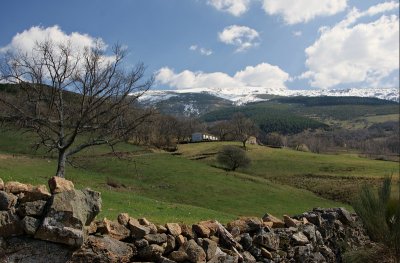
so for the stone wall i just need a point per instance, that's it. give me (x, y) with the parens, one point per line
(58, 226)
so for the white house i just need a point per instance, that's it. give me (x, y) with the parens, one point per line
(202, 137)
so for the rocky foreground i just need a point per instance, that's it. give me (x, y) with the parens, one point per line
(58, 226)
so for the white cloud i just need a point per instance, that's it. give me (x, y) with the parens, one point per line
(263, 77)
(203, 51)
(356, 53)
(300, 11)
(297, 33)
(26, 40)
(242, 37)
(234, 7)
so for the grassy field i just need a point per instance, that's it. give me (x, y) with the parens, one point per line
(160, 186)
(334, 176)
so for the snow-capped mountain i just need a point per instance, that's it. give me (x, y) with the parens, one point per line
(243, 96)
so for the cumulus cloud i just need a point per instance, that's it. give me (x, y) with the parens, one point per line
(356, 53)
(264, 77)
(203, 51)
(242, 37)
(234, 7)
(26, 40)
(300, 11)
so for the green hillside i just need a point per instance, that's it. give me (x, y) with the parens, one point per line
(158, 185)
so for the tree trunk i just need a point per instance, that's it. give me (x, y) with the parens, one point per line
(62, 158)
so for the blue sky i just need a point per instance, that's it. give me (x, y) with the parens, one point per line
(269, 44)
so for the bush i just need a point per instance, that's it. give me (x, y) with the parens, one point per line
(233, 157)
(380, 214)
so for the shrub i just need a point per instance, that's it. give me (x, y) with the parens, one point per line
(233, 157)
(380, 214)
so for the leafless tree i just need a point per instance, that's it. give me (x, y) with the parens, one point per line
(243, 128)
(63, 94)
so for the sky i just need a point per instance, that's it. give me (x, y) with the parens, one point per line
(267, 44)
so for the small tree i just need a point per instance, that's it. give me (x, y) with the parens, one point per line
(380, 214)
(232, 157)
(63, 93)
(243, 128)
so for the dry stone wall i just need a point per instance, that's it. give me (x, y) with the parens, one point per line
(58, 226)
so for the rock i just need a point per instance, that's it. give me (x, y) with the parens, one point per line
(201, 230)
(300, 239)
(141, 243)
(35, 193)
(144, 222)
(30, 225)
(187, 231)
(301, 253)
(165, 260)
(103, 249)
(195, 253)
(178, 256)
(246, 241)
(344, 216)
(268, 240)
(113, 229)
(290, 222)
(123, 219)
(1, 184)
(58, 184)
(10, 224)
(28, 250)
(170, 244)
(69, 213)
(181, 240)
(156, 238)
(138, 231)
(15, 187)
(35, 208)
(246, 224)
(248, 258)
(276, 222)
(220, 257)
(318, 258)
(174, 229)
(151, 253)
(161, 229)
(210, 247)
(7, 200)
(266, 254)
(314, 219)
(310, 232)
(255, 252)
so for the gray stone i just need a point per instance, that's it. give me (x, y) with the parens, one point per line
(300, 239)
(35, 208)
(156, 238)
(7, 200)
(268, 240)
(195, 252)
(151, 253)
(10, 224)
(30, 225)
(210, 247)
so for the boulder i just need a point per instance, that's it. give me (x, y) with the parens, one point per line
(170, 245)
(1, 184)
(178, 256)
(248, 258)
(35, 208)
(58, 184)
(290, 222)
(103, 249)
(15, 187)
(268, 240)
(174, 229)
(123, 219)
(246, 224)
(156, 238)
(300, 239)
(30, 225)
(113, 229)
(210, 247)
(181, 240)
(161, 229)
(187, 231)
(137, 230)
(28, 250)
(68, 214)
(266, 254)
(276, 222)
(7, 200)
(151, 253)
(201, 230)
(35, 193)
(345, 216)
(10, 224)
(195, 253)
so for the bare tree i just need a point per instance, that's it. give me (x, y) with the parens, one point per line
(63, 93)
(233, 157)
(243, 128)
